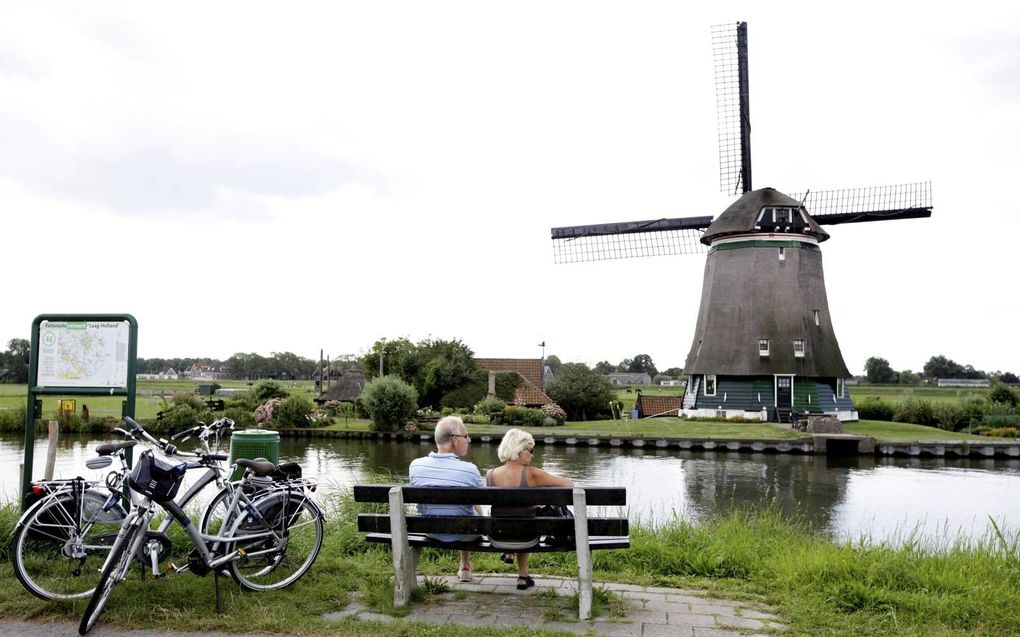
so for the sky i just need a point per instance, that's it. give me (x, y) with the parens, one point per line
(261, 177)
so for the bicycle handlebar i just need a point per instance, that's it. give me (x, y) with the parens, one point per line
(202, 430)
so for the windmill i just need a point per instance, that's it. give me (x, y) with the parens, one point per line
(764, 345)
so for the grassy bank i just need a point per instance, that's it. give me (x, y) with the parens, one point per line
(817, 587)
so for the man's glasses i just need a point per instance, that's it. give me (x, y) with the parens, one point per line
(467, 436)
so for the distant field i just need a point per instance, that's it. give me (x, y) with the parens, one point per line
(899, 393)
(148, 401)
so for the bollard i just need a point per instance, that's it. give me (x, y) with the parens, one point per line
(51, 451)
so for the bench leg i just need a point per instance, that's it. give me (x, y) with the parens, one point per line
(405, 561)
(584, 566)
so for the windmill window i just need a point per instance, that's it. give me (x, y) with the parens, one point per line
(782, 216)
(840, 388)
(817, 320)
(798, 348)
(782, 254)
(710, 384)
(699, 349)
(763, 347)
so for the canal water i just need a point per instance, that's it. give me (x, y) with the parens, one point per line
(863, 498)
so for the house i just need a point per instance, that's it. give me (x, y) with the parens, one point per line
(529, 391)
(651, 406)
(5, 375)
(963, 382)
(346, 389)
(630, 378)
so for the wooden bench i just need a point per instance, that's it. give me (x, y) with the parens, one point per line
(408, 533)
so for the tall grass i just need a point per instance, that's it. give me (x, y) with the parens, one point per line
(816, 585)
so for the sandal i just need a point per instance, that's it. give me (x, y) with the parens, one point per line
(464, 575)
(524, 583)
(507, 558)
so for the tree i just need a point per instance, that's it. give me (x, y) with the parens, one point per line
(624, 365)
(674, 372)
(553, 362)
(642, 364)
(581, 392)
(942, 367)
(16, 359)
(399, 358)
(390, 402)
(907, 377)
(1007, 377)
(446, 366)
(879, 371)
(605, 368)
(1003, 394)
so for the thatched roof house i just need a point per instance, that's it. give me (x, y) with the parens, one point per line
(346, 389)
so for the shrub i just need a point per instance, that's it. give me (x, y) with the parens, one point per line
(506, 385)
(874, 409)
(13, 419)
(293, 411)
(390, 402)
(266, 389)
(917, 411)
(554, 411)
(950, 417)
(181, 416)
(514, 416)
(1000, 393)
(1002, 432)
(243, 417)
(491, 407)
(464, 396)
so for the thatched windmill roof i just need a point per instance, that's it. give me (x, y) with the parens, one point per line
(346, 389)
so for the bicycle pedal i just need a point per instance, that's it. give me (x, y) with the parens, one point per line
(158, 575)
(242, 553)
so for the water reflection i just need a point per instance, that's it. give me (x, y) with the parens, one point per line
(861, 497)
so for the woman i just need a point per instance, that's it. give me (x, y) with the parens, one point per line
(516, 451)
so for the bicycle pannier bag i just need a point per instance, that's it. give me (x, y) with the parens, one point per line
(156, 478)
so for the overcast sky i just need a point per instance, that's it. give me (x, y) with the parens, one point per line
(268, 177)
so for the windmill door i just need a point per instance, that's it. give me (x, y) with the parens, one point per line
(784, 392)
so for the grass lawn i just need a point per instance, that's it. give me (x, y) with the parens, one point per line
(900, 393)
(905, 432)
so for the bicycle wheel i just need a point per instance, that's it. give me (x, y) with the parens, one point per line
(215, 516)
(116, 566)
(279, 560)
(60, 544)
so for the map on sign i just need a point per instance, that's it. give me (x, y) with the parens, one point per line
(83, 354)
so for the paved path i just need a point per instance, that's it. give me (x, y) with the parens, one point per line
(646, 611)
(495, 601)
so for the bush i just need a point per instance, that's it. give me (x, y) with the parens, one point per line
(506, 385)
(243, 418)
(293, 412)
(555, 412)
(390, 403)
(13, 419)
(464, 396)
(181, 416)
(950, 417)
(917, 411)
(1002, 432)
(514, 416)
(874, 409)
(266, 389)
(1002, 394)
(491, 407)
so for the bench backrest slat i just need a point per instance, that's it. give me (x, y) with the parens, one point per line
(511, 527)
(594, 496)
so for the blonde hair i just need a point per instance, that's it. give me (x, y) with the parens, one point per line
(514, 442)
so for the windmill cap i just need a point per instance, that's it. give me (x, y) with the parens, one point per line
(742, 217)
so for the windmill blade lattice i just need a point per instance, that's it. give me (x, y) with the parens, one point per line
(877, 203)
(732, 100)
(607, 241)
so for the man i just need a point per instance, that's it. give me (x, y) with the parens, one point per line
(444, 468)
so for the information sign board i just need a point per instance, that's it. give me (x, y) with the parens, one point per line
(83, 354)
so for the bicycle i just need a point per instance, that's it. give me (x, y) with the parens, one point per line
(265, 533)
(61, 542)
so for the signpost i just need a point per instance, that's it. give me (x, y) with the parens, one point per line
(78, 355)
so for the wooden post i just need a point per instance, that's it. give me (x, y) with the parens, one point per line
(584, 566)
(51, 451)
(404, 562)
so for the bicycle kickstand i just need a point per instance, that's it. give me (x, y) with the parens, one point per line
(219, 599)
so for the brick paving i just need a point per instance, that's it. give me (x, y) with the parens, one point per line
(642, 611)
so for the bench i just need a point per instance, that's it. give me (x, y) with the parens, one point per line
(407, 533)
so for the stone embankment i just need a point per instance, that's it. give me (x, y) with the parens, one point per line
(828, 444)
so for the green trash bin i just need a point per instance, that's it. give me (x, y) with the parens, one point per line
(254, 443)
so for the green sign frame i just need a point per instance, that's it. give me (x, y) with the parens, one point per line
(44, 350)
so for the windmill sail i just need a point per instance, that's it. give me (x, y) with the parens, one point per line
(733, 107)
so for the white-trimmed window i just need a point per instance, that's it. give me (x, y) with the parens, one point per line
(782, 254)
(817, 317)
(710, 384)
(782, 216)
(840, 388)
(763, 347)
(798, 348)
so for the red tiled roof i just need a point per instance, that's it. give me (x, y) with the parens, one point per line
(657, 405)
(529, 390)
(529, 368)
